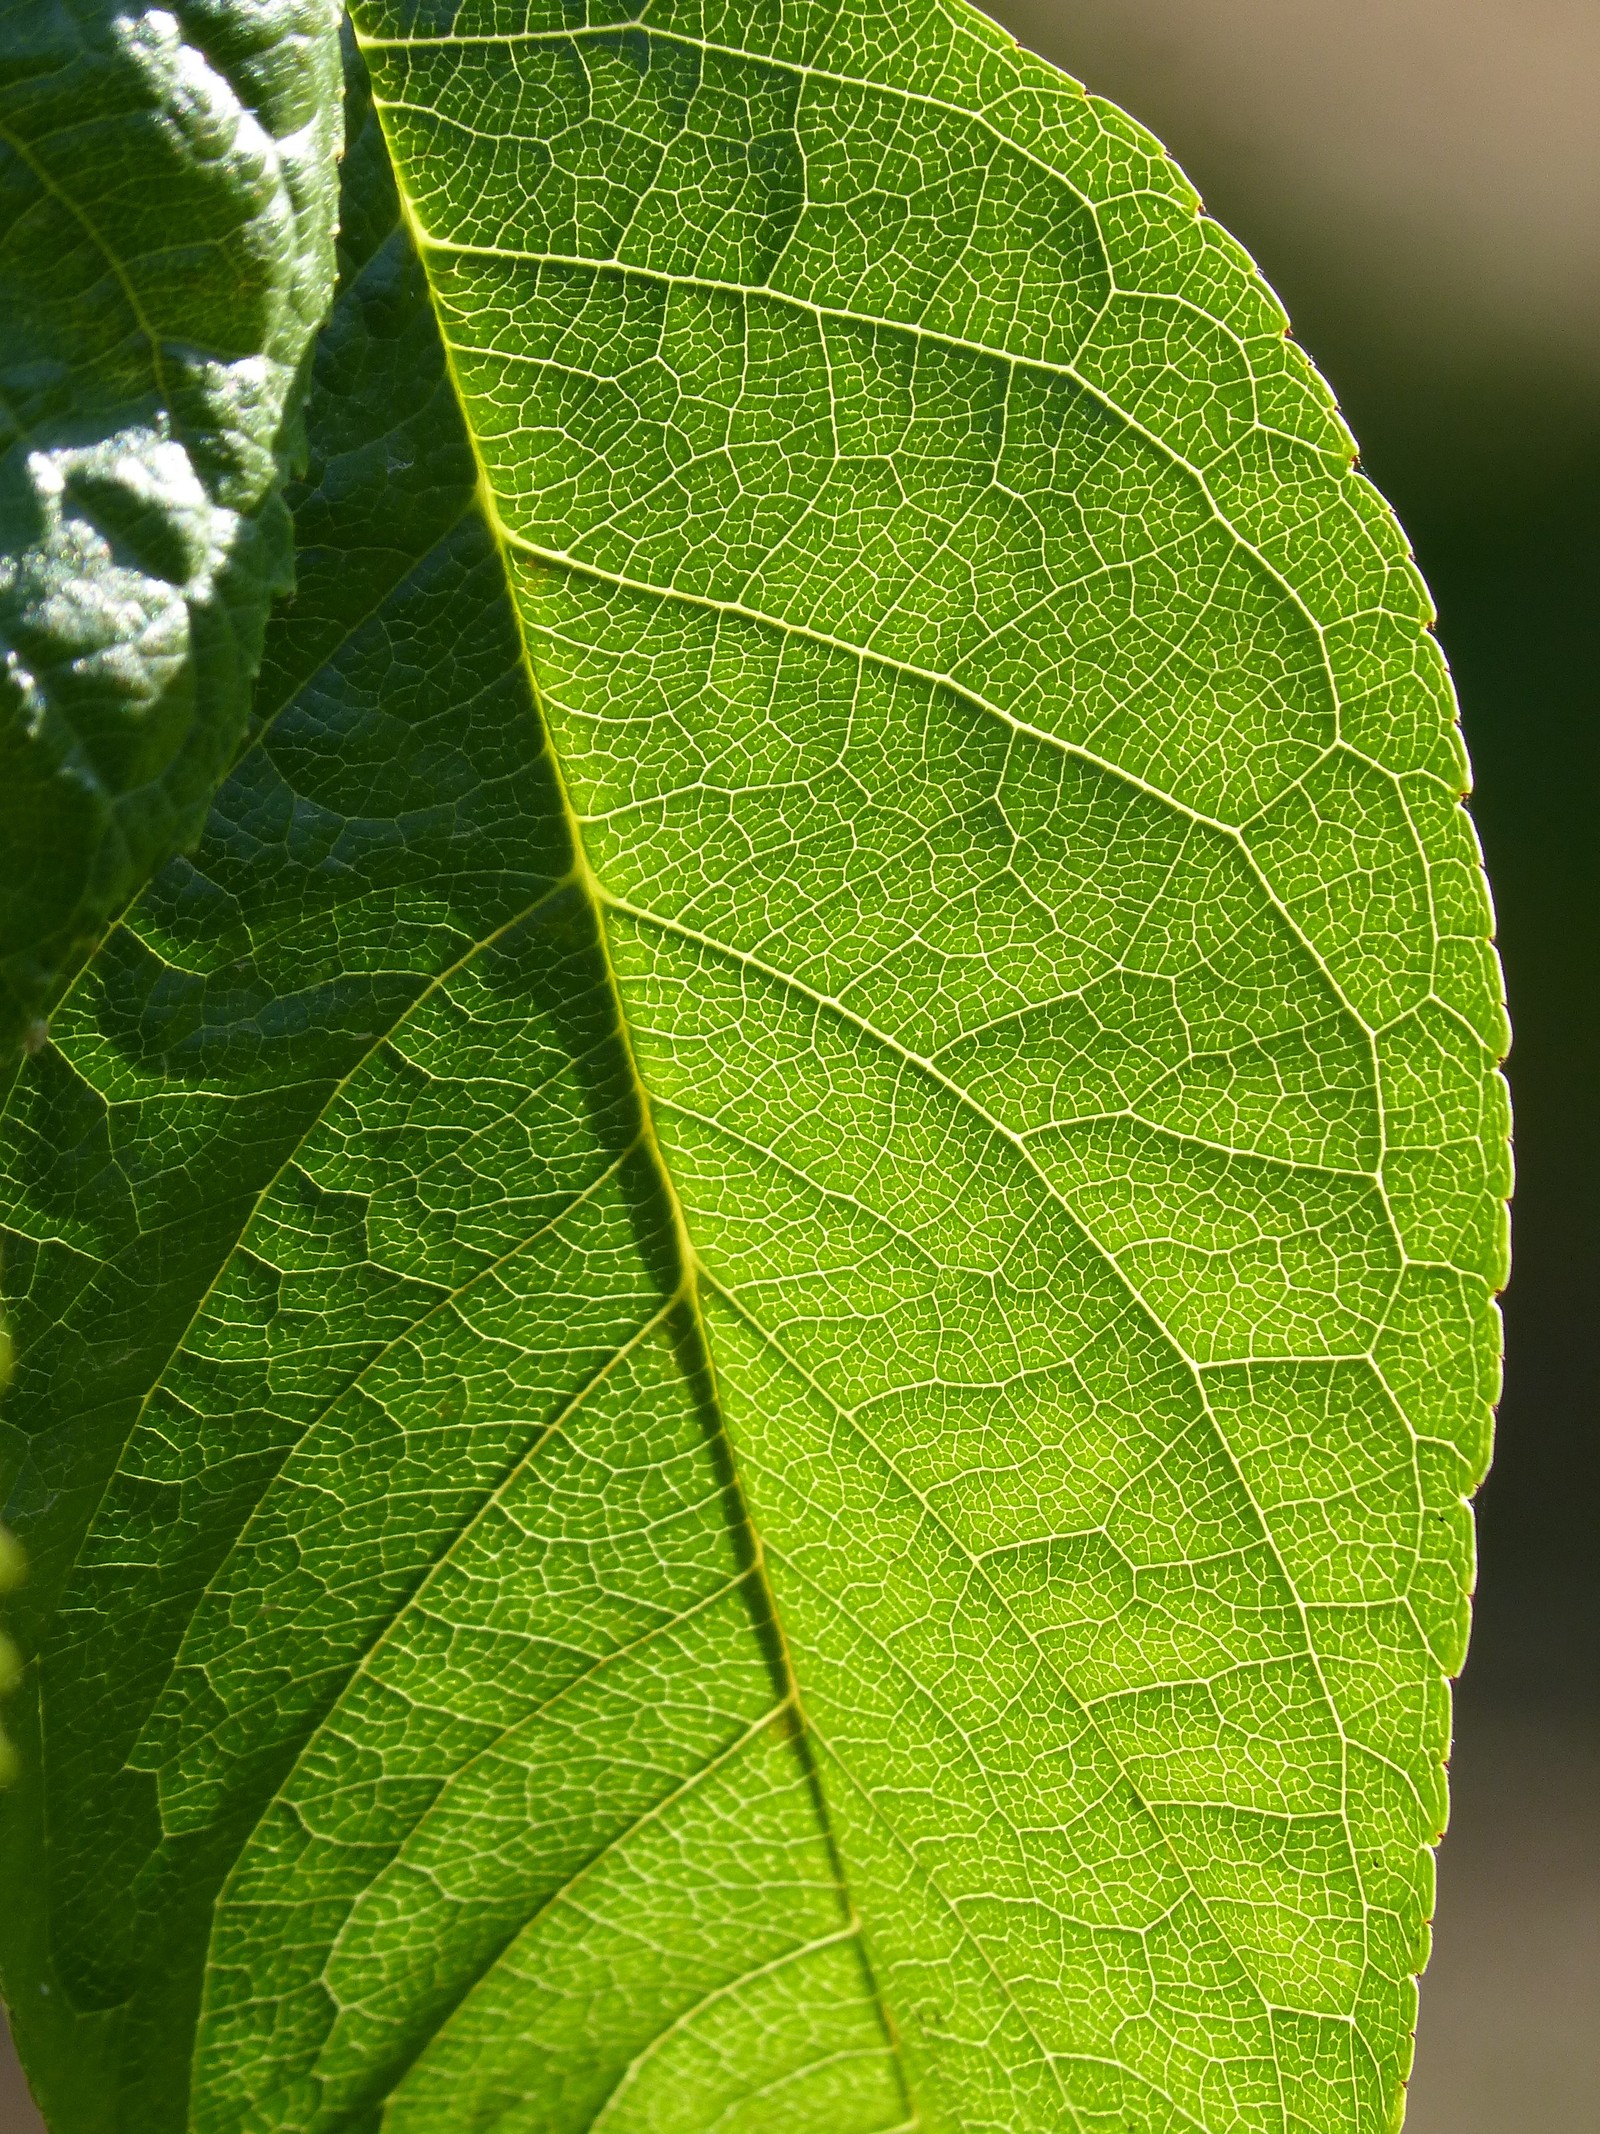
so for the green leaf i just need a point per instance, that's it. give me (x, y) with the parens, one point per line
(11, 1572)
(167, 198)
(747, 1382)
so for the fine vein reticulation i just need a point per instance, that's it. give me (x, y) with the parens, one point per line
(754, 1325)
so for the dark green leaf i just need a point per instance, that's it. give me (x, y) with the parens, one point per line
(167, 196)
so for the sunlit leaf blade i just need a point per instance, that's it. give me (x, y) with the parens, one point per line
(764, 1421)
(167, 198)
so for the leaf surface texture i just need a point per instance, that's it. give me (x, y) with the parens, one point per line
(168, 189)
(753, 1328)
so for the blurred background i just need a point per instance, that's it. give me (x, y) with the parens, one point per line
(1420, 181)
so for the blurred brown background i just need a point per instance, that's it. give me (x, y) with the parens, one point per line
(1420, 180)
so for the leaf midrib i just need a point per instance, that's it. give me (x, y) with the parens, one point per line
(746, 1536)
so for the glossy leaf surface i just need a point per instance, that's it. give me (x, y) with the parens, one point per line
(168, 189)
(748, 1377)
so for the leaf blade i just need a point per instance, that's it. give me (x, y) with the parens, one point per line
(1315, 587)
(1034, 1142)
